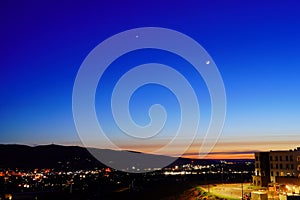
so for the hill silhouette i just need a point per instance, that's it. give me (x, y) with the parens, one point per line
(65, 158)
(46, 156)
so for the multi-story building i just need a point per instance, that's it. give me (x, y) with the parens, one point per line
(284, 163)
(271, 165)
(261, 175)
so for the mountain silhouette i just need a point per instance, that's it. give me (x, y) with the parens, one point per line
(68, 158)
(46, 156)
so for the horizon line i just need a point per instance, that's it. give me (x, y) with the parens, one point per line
(217, 155)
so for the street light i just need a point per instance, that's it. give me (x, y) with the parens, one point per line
(208, 188)
(242, 185)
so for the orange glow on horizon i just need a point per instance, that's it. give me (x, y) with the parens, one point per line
(224, 156)
(229, 148)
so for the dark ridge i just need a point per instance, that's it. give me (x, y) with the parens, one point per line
(46, 156)
(70, 158)
(133, 151)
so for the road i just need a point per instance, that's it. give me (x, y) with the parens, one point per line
(228, 190)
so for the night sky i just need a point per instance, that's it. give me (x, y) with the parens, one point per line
(255, 44)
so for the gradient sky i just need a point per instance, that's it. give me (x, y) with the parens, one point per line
(255, 44)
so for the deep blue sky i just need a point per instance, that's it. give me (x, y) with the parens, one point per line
(255, 44)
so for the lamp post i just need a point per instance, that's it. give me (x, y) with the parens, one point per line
(208, 188)
(242, 185)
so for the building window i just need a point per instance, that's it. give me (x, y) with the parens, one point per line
(272, 174)
(276, 158)
(287, 166)
(287, 158)
(271, 165)
(291, 158)
(271, 158)
(276, 166)
(277, 173)
(292, 166)
(280, 165)
(280, 158)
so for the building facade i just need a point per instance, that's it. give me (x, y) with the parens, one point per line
(269, 166)
(261, 175)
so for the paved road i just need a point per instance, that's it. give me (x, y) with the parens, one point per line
(228, 190)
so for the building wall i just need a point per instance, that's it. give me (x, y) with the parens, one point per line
(269, 165)
(262, 169)
(284, 163)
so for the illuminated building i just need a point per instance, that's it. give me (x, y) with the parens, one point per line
(273, 166)
(261, 175)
